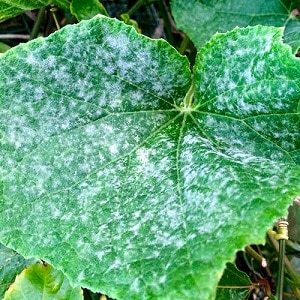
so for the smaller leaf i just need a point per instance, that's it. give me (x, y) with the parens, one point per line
(126, 19)
(201, 19)
(292, 34)
(42, 281)
(85, 10)
(11, 264)
(234, 284)
(12, 8)
(294, 227)
(3, 48)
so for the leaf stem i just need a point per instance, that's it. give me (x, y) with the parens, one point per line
(166, 17)
(137, 5)
(184, 44)
(280, 278)
(53, 12)
(234, 286)
(37, 24)
(288, 267)
(256, 256)
(188, 99)
(12, 36)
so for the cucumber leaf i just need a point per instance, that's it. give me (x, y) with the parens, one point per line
(292, 34)
(129, 178)
(3, 47)
(84, 10)
(11, 264)
(234, 284)
(12, 8)
(201, 19)
(42, 281)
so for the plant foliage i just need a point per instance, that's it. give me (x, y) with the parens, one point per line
(41, 281)
(242, 284)
(11, 8)
(200, 19)
(135, 177)
(11, 264)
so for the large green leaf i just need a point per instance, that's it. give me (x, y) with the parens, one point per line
(12, 8)
(41, 281)
(11, 264)
(200, 19)
(127, 185)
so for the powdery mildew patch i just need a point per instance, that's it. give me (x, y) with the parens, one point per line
(248, 80)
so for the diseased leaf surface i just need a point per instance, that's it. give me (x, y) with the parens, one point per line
(201, 19)
(292, 33)
(41, 281)
(128, 186)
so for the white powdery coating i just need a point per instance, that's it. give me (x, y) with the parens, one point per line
(204, 186)
(223, 183)
(139, 212)
(98, 68)
(66, 159)
(241, 142)
(245, 79)
(283, 130)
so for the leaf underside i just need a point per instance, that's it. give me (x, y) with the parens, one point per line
(234, 284)
(125, 184)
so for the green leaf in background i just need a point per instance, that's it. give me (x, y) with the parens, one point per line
(201, 19)
(42, 281)
(241, 281)
(84, 10)
(292, 34)
(3, 48)
(12, 8)
(124, 181)
(11, 264)
(294, 223)
(127, 20)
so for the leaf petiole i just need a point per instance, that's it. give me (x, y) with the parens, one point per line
(187, 103)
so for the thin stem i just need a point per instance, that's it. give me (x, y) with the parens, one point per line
(137, 5)
(289, 295)
(188, 99)
(168, 26)
(234, 286)
(249, 264)
(280, 278)
(12, 36)
(37, 24)
(288, 267)
(256, 256)
(184, 44)
(53, 10)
